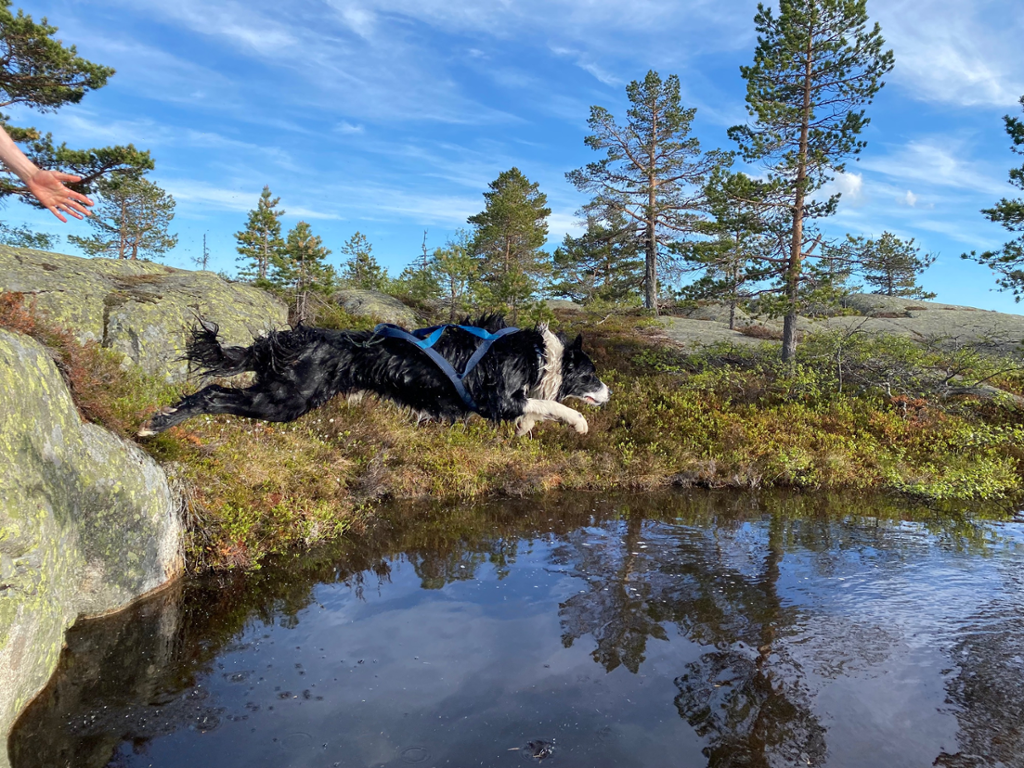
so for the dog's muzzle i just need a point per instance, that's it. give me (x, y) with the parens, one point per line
(600, 397)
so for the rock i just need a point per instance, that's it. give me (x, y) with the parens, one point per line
(138, 308)
(380, 306)
(718, 313)
(944, 325)
(693, 334)
(564, 304)
(88, 522)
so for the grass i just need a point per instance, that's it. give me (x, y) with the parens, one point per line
(724, 418)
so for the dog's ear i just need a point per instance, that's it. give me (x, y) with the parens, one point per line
(577, 343)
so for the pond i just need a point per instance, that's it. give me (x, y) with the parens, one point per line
(696, 629)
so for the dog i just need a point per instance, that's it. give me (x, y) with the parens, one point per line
(524, 376)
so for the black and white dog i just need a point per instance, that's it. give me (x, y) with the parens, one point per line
(524, 375)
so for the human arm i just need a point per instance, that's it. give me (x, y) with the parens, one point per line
(46, 186)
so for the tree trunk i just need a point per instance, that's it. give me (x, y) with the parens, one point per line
(122, 231)
(651, 271)
(797, 246)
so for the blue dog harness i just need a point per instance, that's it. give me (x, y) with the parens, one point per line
(425, 338)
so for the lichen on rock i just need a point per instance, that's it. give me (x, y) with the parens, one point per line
(88, 522)
(380, 306)
(138, 308)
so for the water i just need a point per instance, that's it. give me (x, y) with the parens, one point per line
(686, 630)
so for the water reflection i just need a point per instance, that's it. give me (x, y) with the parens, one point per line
(726, 631)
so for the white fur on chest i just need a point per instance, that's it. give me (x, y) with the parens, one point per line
(551, 375)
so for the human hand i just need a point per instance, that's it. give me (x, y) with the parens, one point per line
(48, 188)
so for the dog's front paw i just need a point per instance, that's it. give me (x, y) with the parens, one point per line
(158, 423)
(580, 425)
(525, 425)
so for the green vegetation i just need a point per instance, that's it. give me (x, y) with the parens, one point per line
(302, 270)
(361, 269)
(604, 264)
(852, 412)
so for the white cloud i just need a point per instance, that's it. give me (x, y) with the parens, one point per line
(945, 161)
(950, 51)
(910, 199)
(348, 128)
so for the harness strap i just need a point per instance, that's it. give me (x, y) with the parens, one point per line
(425, 338)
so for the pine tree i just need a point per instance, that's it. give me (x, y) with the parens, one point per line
(815, 65)
(24, 237)
(455, 270)
(361, 269)
(38, 72)
(260, 243)
(741, 239)
(131, 220)
(1008, 262)
(605, 263)
(301, 270)
(507, 242)
(653, 172)
(891, 266)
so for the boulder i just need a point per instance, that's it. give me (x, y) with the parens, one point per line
(88, 522)
(138, 308)
(928, 322)
(380, 306)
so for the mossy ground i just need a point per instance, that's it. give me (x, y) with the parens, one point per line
(719, 418)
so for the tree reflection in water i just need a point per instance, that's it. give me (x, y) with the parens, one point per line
(718, 585)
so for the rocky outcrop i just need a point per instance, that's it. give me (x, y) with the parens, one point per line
(137, 308)
(88, 522)
(944, 325)
(380, 306)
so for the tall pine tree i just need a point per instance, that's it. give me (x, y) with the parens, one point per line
(1008, 262)
(260, 243)
(653, 172)
(130, 220)
(507, 242)
(815, 66)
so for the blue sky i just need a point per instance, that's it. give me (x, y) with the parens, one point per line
(391, 116)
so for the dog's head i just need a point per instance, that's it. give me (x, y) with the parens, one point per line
(579, 377)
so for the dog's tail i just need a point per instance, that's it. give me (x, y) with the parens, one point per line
(206, 353)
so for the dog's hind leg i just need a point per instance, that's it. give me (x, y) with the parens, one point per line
(548, 410)
(253, 402)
